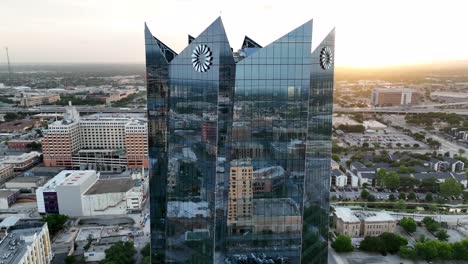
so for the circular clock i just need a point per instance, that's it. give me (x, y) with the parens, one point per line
(326, 58)
(201, 58)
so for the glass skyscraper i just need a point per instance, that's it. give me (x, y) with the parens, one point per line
(240, 148)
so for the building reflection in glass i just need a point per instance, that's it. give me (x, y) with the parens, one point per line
(240, 148)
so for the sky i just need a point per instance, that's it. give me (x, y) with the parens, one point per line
(368, 32)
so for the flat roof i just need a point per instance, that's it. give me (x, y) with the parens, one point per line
(77, 177)
(346, 214)
(349, 215)
(32, 179)
(116, 185)
(6, 193)
(21, 239)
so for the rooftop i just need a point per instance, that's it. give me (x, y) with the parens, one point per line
(348, 215)
(430, 175)
(116, 185)
(77, 177)
(16, 244)
(31, 179)
(21, 158)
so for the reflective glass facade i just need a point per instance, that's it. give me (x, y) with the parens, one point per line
(240, 149)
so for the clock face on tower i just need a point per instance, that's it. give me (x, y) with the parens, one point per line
(326, 58)
(201, 58)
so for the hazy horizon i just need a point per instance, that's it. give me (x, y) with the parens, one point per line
(369, 33)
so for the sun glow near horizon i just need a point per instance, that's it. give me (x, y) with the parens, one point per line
(368, 33)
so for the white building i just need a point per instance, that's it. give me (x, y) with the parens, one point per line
(49, 190)
(114, 196)
(70, 192)
(362, 223)
(83, 193)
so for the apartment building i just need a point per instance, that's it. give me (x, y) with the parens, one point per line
(104, 142)
(240, 197)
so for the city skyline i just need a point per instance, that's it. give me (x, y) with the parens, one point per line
(371, 34)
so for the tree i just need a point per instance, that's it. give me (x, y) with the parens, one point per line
(442, 235)
(433, 227)
(392, 180)
(402, 196)
(380, 176)
(365, 194)
(365, 145)
(336, 158)
(392, 197)
(372, 244)
(34, 145)
(460, 249)
(412, 196)
(450, 187)
(393, 242)
(342, 244)
(461, 151)
(427, 250)
(55, 222)
(146, 250)
(408, 224)
(371, 198)
(407, 252)
(421, 238)
(10, 117)
(146, 260)
(403, 169)
(429, 197)
(70, 259)
(120, 253)
(400, 205)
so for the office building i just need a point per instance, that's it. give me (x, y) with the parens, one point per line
(35, 99)
(243, 141)
(362, 223)
(24, 242)
(395, 97)
(103, 142)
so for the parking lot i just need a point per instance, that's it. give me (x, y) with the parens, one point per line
(389, 138)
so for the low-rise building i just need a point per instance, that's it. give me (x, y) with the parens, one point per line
(113, 196)
(21, 144)
(83, 193)
(366, 175)
(8, 198)
(35, 99)
(6, 172)
(24, 242)
(22, 162)
(338, 179)
(26, 183)
(362, 223)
